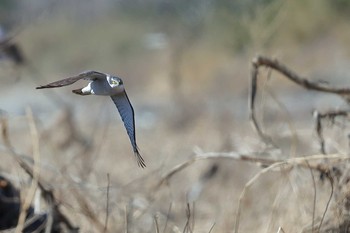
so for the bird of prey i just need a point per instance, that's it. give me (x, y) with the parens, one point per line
(107, 85)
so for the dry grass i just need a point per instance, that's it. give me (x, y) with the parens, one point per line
(86, 162)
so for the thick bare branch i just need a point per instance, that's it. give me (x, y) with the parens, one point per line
(292, 76)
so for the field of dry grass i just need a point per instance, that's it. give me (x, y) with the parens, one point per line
(207, 168)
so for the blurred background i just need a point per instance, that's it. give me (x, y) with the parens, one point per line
(186, 67)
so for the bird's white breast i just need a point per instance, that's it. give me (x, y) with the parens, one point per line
(88, 89)
(102, 87)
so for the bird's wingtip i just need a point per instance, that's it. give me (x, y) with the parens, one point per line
(141, 164)
(44, 86)
(140, 160)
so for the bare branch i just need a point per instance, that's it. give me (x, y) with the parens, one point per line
(253, 91)
(328, 202)
(187, 227)
(319, 128)
(292, 76)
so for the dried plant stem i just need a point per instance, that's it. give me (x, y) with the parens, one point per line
(126, 219)
(212, 155)
(253, 91)
(274, 207)
(247, 185)
(47, 193)
(328, 203)
(107, 204)
(212, 227)
(188, 227)
(315, 194)
(155, 218)
(289, 122)
(301, 161)
(36, 172)
(292, 76)
(319, 128)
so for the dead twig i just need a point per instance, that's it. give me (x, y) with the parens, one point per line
(213, 155)
(107, 203)
(36, 172)
(47, 193)
(212, 227)
(315, 195)
(329, 116)
(188, 227)
(330, 178)
(126, 219)
(155, 218)
(253, 91)
(292, 76)
(301, 161)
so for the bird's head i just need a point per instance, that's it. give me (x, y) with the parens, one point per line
(115, 82)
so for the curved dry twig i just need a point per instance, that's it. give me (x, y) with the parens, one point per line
(292, 76)
(213, 155)
(328, 202)
(253, 91)
(299, 161)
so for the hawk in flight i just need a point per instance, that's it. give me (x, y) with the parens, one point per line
(108, 85)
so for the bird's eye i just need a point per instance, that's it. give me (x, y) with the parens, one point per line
(115, 82)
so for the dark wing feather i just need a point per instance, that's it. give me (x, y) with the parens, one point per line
(89, 75)
(61, 83)
(92, 75)
(126, 112)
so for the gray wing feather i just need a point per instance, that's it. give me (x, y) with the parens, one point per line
(92, 75)
(126, 112)
(89, 75)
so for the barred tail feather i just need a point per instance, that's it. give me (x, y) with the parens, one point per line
(140, 160)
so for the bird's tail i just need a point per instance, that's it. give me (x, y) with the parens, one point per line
(80, 92)
(139, 158)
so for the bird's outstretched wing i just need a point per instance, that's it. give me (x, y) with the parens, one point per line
(88, 75)
(126, 112)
